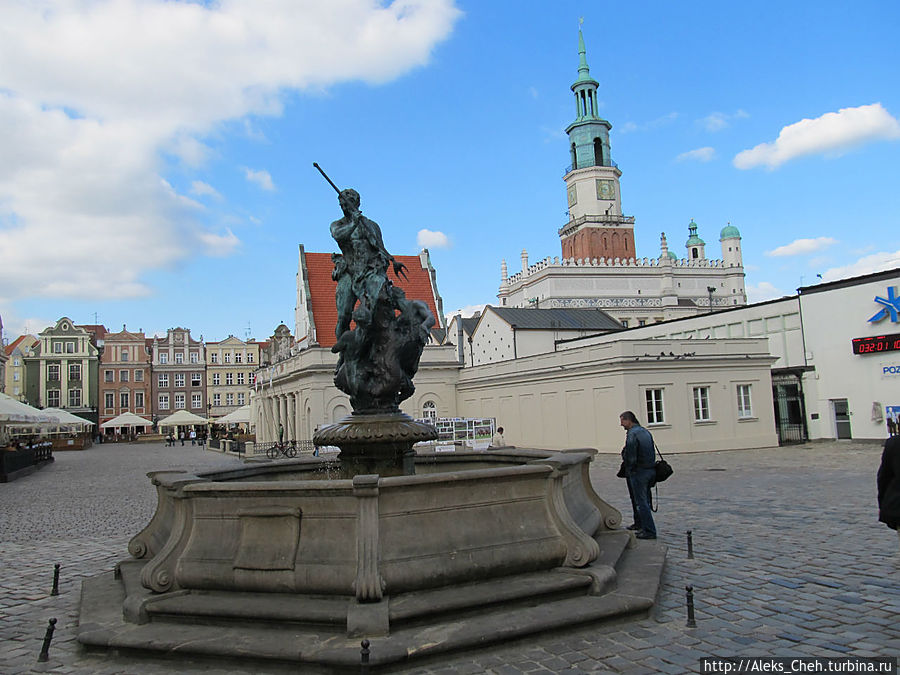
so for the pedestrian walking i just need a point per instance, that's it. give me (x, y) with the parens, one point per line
(638, 465)
(193, 437)
(892, 426)
(280, 434)
(889, 484)
(181, 437)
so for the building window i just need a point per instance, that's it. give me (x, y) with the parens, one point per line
(74, 398)
(109, 400)
(53, 372)
(642, 322)
(429, 411)
(745, 409)
(123, 400)
(701, 404)
(179, 357)
(179, 401)
(251, 379)
(57, 347)
(138, 400)
(240, 378)
(109, 376)
(123, 376)
(229, 378)
(125, 355)
(229, 399)
(217, 399)
(624, 323)
(238, 358)
(240, 399)
(196, 379)
(15, 377)
(163, 357)
(74, 371)
(655, 406)
(250, 357)
(214, 357)
(163, 380)
(53, 398)
(179, 380)
(227, 357)
(70, 348)
(163, 401)
(196, 401)
(139, 376)
(195, 357)
(216, 379)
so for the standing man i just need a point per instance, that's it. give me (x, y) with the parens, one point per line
(280, 434)
(888, 481)
(639, 462)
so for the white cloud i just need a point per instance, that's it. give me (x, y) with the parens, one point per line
(466, 312)
(660, 121)
(201, 189)
(261, 178)
(96, 95)
(832, 134)
(876, 262)
(429, 239)
(717, 121)
(699, 155)
(802, 247)
(763, 291)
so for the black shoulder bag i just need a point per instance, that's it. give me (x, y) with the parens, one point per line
(663, 468)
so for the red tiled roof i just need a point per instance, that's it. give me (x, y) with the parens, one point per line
(322, 288)
(12, 345)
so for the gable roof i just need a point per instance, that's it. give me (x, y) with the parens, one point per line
(322, 289)
(561, 318)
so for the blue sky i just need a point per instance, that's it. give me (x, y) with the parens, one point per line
(156, 161)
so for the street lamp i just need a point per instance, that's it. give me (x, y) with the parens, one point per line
(710, 290)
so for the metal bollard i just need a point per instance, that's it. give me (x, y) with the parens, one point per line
(55, 590)
(44, 656)
(690, 539)
(364, 658)
(691, 621)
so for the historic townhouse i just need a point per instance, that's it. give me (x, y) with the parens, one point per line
(124, 375)
(15, 366)
(177, 381)
(63, 368)
(230, 368)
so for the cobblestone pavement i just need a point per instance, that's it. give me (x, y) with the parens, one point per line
(789, 561)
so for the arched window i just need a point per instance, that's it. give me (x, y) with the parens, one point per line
(598, 152)
(429, 411)
(574, 157)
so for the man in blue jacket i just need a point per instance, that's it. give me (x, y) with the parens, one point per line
(639, 463)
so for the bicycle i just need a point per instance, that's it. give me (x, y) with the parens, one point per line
(281, 450)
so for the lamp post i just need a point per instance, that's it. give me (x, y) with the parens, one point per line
(710, 290)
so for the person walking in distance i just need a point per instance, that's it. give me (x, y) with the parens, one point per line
(889, 484)
(638, 462)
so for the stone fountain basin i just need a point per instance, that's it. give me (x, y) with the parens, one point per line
(281, 528)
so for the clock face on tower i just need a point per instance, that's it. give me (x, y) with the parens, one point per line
(606, 189)
(572, 196)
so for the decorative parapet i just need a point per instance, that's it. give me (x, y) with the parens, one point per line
(631, 263)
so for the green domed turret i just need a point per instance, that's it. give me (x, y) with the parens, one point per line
(673, 255)
(730, 232)
(693, 239)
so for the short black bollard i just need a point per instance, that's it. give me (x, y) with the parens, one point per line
(364, 658)
(691, 621)
(690, 538)
(44, 656)
(55, 590)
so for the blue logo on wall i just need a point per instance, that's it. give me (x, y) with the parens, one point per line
(890, 307)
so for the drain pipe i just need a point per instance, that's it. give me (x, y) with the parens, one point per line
(459, 340)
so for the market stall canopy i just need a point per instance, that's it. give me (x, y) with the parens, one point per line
(127, 419)
(12, 410)
(239, 416)
(182, 417)
(65, 417)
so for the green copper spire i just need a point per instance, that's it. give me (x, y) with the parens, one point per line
(693, 239)
(584, 73)
(589, 133)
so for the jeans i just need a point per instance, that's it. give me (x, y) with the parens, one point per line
(639, 486)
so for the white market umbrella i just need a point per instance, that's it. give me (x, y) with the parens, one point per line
(12, 410)
(182, 417)
(239, 416)
(65, 417)
(126, 419)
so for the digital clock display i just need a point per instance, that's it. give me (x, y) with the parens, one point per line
(876, 344)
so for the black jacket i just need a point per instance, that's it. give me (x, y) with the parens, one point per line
(889, 484)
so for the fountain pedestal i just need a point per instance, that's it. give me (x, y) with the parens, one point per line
(376, 443)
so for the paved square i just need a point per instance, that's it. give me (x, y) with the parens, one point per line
(789, 561)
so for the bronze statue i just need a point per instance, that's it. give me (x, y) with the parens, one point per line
(380, 356)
